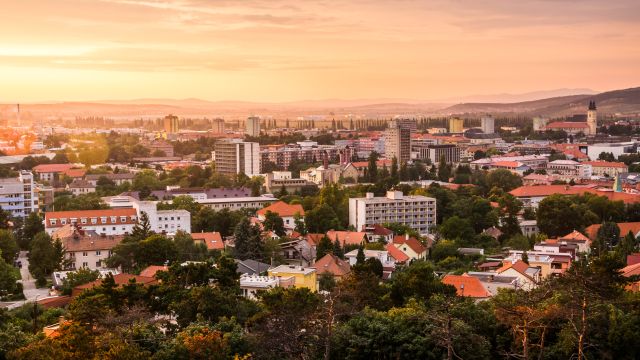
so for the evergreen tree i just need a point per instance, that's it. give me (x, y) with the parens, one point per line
(248, 242)
(394, 169)
(360, 259)
(444, 171)
(337, 249)
(142, 229)
(324, 247)
(372, 168)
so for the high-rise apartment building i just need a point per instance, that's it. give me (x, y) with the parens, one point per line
(217, 126)
(435, 152)
(487, 125)
(234, 156)
(456, 125)
(397, 139)
(18, 195)
(416, 211)
(170, 124)
(252, 126)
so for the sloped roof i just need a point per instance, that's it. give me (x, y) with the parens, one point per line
(75, 173)
(333, 265)
(213, 240)
(519, 266)
(567, 125)
(467, 286)
(313, 238)
(411, 242)
(151, 270)
(282, 209)
(606, 164)
(575, 235)
(625, 227)
(631, 270)
(49, 168)
(347, 237)
(120, 280)
(396, 253)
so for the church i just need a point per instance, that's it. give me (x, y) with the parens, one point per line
(573, 128)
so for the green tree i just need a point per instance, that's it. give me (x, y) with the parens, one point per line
(33, 224)
(8, 278)
(322, 219)
(273, 222)
(8, 246)
(444, 170)
(558, 215)
(45, 256)
(324, 247)
(372, 167)
(78, 277)
(187, 249)
(155, 250)
(248, 242)
(503, 179)
(607, 237)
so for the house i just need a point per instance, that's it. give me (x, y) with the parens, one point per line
(607, 168)
(493, 282)
(52, 173)
(528, 227)
(332, 265)
(531, 196)
(107, 221)
(80, 187)
(356, 170)
(118, 179)
(287, 212)
(629, 271)
(625, 228)
(410, 246)
(387, 260)
(151, 270)
(303, 277)
(120, 280)
(298, 252)
(85, 248)
(493, 231)
(527, 277)
(251, 267)
(397, 256)
(549, 263)
(467, 286)
(347, 237)
(212, 240)
(575, 237)
(378, 232)
(252, 285)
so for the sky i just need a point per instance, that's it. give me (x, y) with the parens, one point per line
(274, 51)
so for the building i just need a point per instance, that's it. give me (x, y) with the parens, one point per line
(487, 124)
(118, 179)
(592, 118)
(52, 173)
(588, 127)
(527, 277)
(539, 123)
(164, 221)
(282, 156)
(171, 124)
(332, 265)
(531, 196)
(19, 196)
(248, 202)
(234, 156)
(252, 126)
(607, 168)
(385, 257)
(568, 170)
(398, 141)
(617, 149)
(212, 240)
(159, 148)
(103, 222)
(80, 187)
(121, 280)
(45, 195)
(286, 211)
(456, 125)
(416, 211)
(303, 277)
(86, 248)
(278, 180)
(410, 246)
(467, 286)
(348, 237)
(322, 175)
(434, 153)
(252, 285)
(217, 126)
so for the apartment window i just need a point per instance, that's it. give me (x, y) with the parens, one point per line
(85, 264)
(172, 218)
(94, 220)
(53, 221)
(178, 218)
(63, 221)
(98, 263)
(74, 220)
(114, 228)
(123, 219)
(98, 252)
(84, 253)
(103, 219)
(83, 220)
(113, 219)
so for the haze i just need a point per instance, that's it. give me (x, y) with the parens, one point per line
(292, 50)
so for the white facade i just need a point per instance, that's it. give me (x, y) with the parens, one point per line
(416, 211)
(235, 156)
(104, 222)
(617, 149)
(17, 195)
(249, 202)
(164, 221)
(487, 125)
(253, 126)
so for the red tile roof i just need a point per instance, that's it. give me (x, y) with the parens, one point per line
(606, 164)
(283, 209)
(364, 164)
(75, 173)
(507, 164)
(396, 253)
(546, 190)
(331, 264)
(519, 266)
(55, 302)
(314, 239)
(466, 285)
(575, 235)
(412, 242)
(347, 237)
(51, 168)
(213, 240)
(567, 125)
(625, 227)
(120, 280)
(88, 214)
(152, 270)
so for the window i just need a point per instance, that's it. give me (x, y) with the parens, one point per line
(113, 219)
(84, 253)
(63, 221)
(123, 219)
(98, 263)
(53, 221)
(83, 220)
(114, 228)
(98, 252)
(94, 220)
(103, 219)
(85, 264)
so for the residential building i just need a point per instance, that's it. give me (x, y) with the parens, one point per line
(534, 162)
(81, 187)
(527, 276)
(159, 148)
(251, 267)
(487, 124)
(456, 125)
(607, 168)
(411, 247)
(234, 156)
(398, 140)
(103, 222)
(152, 270)
(164, 221)
(416, 211)
(217, 126)
(379, 233)
(347, 237)
(252, 126)
(52, 173)
(298, 252)
(196, 193)
(308, 152)
(625, 228)
(322, 175)
(568, 170)
(19, 195)
(45, 195)
(531, 196)
(467, 286)
(549, 263)
(528, 227)
(386, 259)
(118, 179)
(303, 277)
(86, 248)
(358, 169)
(278, 180)
(238, 203)
(171, 124)
(252, 285)
(434, 153)
(286, 211)
(121, 280)
(212, 240)
(332, 265)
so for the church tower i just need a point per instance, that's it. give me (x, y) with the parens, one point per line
(592, 118)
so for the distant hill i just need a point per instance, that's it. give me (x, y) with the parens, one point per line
(513, 98)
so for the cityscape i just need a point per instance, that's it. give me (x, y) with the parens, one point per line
(187, 179)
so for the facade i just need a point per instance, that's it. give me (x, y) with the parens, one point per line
(322, 175)
(539, 123)
(277, 180)
(86, 249)
(434, 153)
(287, 212)
(303, 277)
(607, 168)
(104, 222)
(80, 187)
(417, 212)
(237, 203)
(157, 146)
(171, 124)
(487, 124)
(456, 125)
(18, 196)
(398, 140)
(164, 221)
(252, 126)
(252, 285)
(617, 149)
(283, 155)
(235, 156)
(592, 118)
(118, 179)
(217, 126)
(568, 170)
(51, 173)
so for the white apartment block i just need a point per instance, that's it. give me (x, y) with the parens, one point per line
(237, 203)
(253, 126)
(235, 156)
(17, 195)
(416, 211)
(164, 221)
(104, 222)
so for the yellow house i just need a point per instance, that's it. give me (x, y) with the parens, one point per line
(304, 277)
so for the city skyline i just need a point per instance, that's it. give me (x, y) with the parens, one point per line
(275, 51)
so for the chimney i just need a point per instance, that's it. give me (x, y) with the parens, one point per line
(406, 236)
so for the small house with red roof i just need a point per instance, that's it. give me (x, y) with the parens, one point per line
(120, 280)
(410, 246)
(378, 232)
(332, 265)
(397, 255)
(347, 237)
(467, 286)
(151, 270)
(212, 240)
(287, 212)
(527, 276)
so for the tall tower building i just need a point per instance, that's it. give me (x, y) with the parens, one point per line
(170, 124)
(487, 124)
(217, 126)
(397, 139)
(592, 118)
(252, 126)
(456, 125)
(234, 156)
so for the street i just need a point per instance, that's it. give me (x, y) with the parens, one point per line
(29, 284)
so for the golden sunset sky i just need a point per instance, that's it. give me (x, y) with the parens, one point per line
(292, 50)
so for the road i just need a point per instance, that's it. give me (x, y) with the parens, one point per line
(28, 284)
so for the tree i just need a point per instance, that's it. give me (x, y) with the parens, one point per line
(417, 281)
(142, 229)
(558, 215)
(300, 227)
(627, 246)
(155, 250)
(394, 169)
(8, 246)
(322, 219)
(78, 277)
(45, 256)
(187, 249)
(607, 237)
(444, 170)
(503, 179)
(324, 247)
(33, 224)
(455, 228)
(273, 222)
(372, 167)
(248, 242)
(8, 278)
(337, 249)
